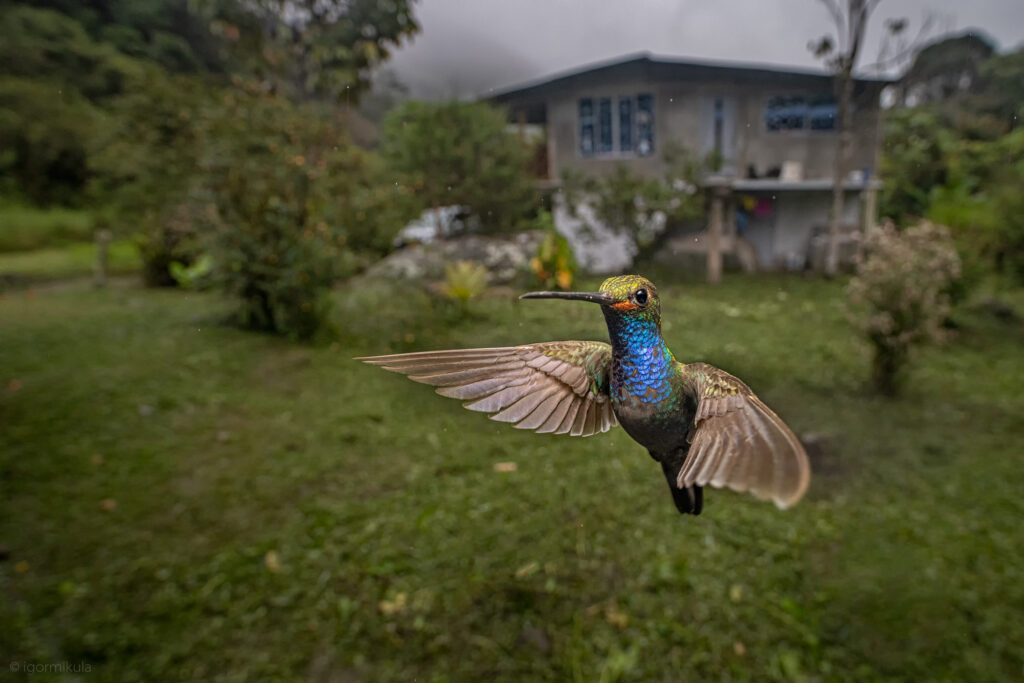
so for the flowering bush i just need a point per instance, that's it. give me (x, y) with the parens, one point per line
(554, 264)
(900, 294)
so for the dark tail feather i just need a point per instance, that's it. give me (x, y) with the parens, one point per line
(689, 501)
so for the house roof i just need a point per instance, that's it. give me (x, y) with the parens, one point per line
(652, 68)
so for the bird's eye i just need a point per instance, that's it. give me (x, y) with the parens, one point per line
(641, 296)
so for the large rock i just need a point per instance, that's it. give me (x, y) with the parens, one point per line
(506, 258)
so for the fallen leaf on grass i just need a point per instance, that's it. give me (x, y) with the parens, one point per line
(527, 570)
(614, 617)
(271, 561)
(611, 614)
(394, 606)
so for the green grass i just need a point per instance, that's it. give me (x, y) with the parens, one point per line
(73, 260)
(401, 554)
(23, 228)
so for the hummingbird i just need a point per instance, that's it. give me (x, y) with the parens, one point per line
(703, 426)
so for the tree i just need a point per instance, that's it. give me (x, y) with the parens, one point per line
(459, 153)
(945, 68)
(841, 53)
(313, 48)
(917, 150)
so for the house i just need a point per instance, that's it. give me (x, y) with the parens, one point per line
(769, 133)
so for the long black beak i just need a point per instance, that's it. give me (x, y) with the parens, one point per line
(593, 297)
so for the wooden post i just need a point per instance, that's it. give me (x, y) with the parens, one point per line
(715, 229)
(869, 208)
(103, 238)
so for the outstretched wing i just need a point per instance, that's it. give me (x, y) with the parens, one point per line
(739, 443)
(554, 387)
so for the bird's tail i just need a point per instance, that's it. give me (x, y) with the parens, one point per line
(689, 501)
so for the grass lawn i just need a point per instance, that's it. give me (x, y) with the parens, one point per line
(24, 227)
(73, 260)
(183, 500)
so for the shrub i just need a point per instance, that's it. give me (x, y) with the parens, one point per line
(147, 173)
(554, 264)
(638, 206)
(459, 153)
(900, 294)
(298, 207)
(464, 280)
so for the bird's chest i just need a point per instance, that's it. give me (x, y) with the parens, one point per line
(646, 401)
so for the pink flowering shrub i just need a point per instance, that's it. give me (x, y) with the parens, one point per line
(900, 295)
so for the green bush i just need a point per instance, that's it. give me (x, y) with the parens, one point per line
(45, 136)
(298, 207)
(459, 153)
(986, 212)
(627, 202)
(554, 265)
(900, 294)
(147, 171)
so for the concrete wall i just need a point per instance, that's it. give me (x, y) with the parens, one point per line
(683, 114)
(781, 239)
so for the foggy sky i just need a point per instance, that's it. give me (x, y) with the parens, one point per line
(467, 47)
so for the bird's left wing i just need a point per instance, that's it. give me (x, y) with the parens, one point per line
(740, 443)
(553, 387)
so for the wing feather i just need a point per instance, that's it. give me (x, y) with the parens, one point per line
(740, 443)
(554, 387)
(557, 416)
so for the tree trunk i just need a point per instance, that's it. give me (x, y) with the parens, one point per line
(840, 170)
(714, 244)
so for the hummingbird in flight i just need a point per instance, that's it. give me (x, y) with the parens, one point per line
(703, 426)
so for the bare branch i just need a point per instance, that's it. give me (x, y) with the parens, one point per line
(904, 49)
(835, 8)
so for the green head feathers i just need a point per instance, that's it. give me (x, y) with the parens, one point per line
(633, 296)
(625, 297)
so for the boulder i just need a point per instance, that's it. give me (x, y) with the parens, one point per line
(506, 258)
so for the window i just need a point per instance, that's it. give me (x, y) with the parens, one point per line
(786, 113)
(645, 125)
(823, 112)
(799, 113)
(587, 127)
(607, 129)
(625, 124)
(604, 109)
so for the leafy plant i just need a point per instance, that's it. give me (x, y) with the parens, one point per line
(308, 48)
(554, 265)
(298, 207)
(900, 294)
(464, 280)
(639, 206)
(459, 153)
(193, 276)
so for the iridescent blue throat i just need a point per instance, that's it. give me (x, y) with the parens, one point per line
(642, 363)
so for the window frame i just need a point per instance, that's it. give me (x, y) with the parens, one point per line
(808, 100)
(617, 105)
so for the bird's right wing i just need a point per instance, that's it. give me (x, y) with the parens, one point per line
(740, 443)
(552, 387)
